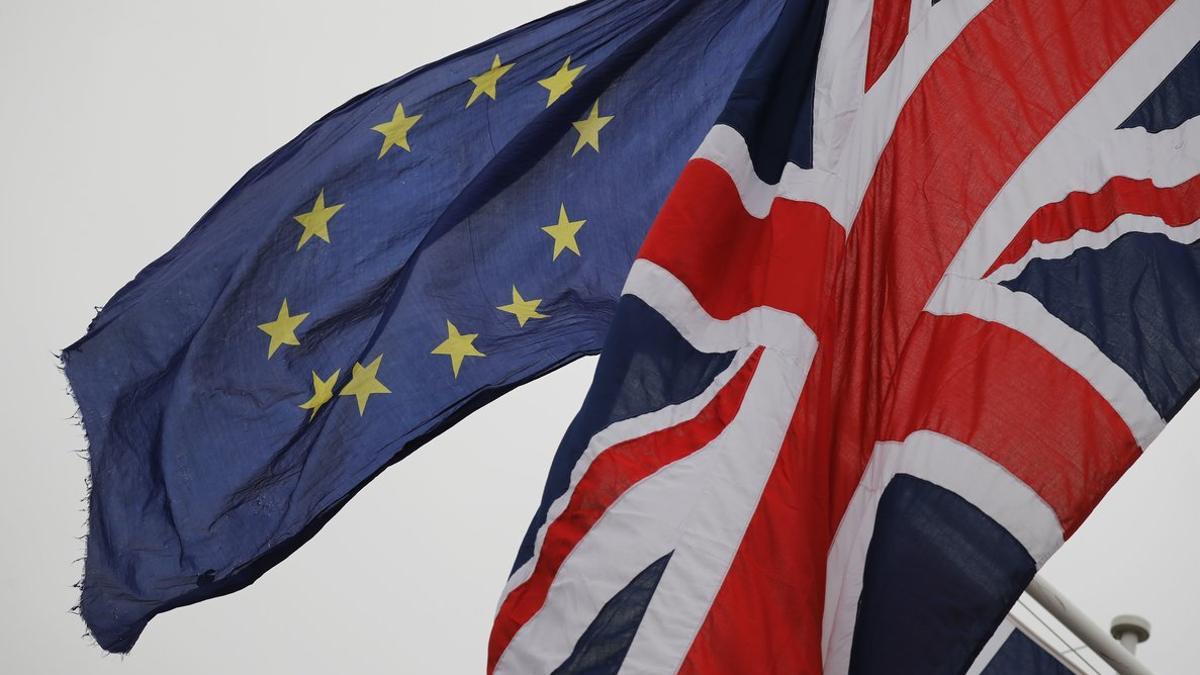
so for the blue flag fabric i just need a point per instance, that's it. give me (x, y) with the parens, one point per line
(414, 254)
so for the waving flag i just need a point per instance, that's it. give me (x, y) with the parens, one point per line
(924, 292)
(411, 256)
(926, 287)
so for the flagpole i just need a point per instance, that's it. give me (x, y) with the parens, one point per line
(1092, 635)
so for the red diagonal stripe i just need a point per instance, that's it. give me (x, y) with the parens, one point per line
(1094, 212)
(889, 26)
(610, 475)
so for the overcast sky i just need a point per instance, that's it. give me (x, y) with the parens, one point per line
(121, 123)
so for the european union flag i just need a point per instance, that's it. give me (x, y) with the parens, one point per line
(414, 254)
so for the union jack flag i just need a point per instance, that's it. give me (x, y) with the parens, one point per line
(926, 290)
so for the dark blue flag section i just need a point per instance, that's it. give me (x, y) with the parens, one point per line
(416, 253)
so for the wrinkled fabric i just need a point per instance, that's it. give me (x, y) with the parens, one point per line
(206, 469)
(931, 282)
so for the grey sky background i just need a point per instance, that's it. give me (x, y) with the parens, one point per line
(121, 122)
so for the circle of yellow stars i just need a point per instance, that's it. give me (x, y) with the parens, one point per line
(364, 380)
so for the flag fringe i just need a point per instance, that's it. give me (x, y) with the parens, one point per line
(83, 453)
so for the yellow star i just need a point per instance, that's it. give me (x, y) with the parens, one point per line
(558, 83)
(322, 392)
(589, 129)
(283, 329)
(395, 132)
(564, 232)
(364, 382)
(523, 309)
(457, 346)
(316, 221)
(485, 83)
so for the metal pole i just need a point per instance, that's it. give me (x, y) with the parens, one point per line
(1094, 636)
